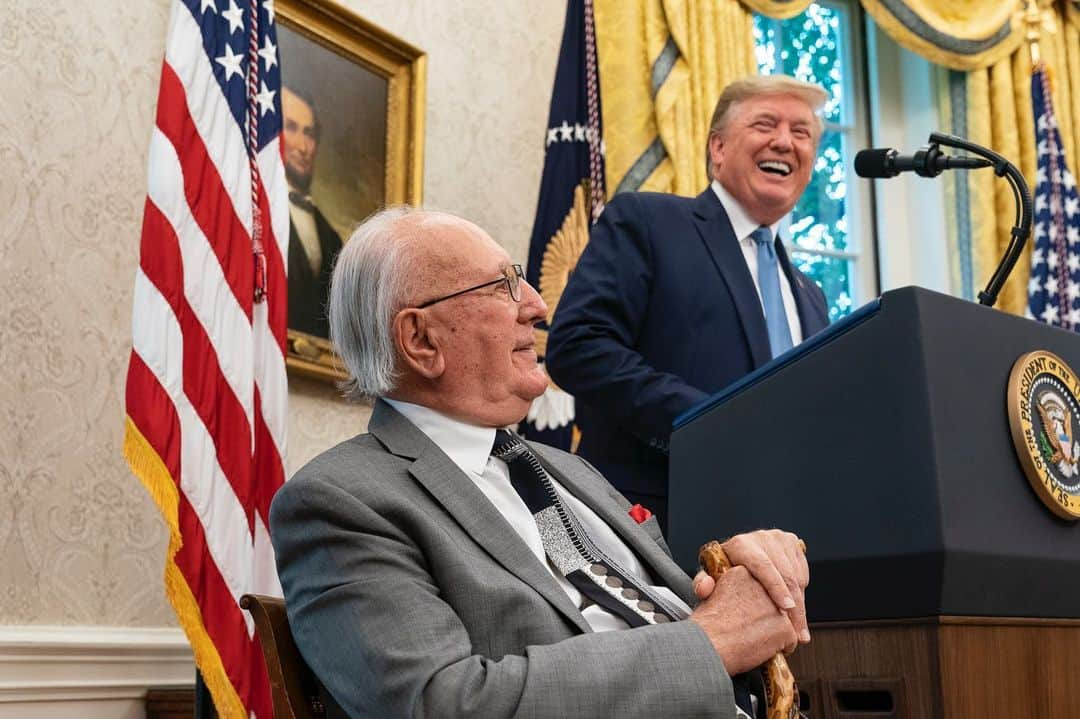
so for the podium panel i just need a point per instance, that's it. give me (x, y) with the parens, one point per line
(939, 668)
(884, 442)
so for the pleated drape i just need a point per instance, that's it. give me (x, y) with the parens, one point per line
(663, 64)
(958, 34)
(993, 107)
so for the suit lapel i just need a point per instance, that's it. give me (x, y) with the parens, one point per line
(570, 474)
(464, 501)
(810, 319)
(714, 227)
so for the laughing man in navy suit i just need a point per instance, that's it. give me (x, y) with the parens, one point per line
(675, 298)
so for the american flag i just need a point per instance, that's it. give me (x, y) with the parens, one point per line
(206, 386)
(1054, 287)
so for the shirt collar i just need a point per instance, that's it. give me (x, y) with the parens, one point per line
(740, 220)
(467, 445)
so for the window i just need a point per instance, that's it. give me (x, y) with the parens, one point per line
(832, 239)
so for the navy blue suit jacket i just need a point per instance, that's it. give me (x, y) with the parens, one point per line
(660, 313)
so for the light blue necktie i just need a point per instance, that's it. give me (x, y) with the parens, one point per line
(771, 299)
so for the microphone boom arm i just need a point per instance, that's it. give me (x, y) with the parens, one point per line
(1022, 223)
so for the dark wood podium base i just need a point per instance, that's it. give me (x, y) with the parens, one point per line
(941, 668)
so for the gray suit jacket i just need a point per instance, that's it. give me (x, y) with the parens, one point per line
(410, 595)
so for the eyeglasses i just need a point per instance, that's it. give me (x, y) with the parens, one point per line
(512, 276)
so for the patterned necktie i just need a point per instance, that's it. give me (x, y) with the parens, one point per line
(569, 548)
(772, 301)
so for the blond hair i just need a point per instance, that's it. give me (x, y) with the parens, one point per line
(748, 88)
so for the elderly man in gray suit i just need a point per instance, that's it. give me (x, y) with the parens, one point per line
(428, 574)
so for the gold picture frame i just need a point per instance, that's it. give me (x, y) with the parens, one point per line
(358, 87)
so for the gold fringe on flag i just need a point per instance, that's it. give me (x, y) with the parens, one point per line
(162, 487)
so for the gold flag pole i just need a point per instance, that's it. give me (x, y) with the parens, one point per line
(1033, 19)
(1038, 21)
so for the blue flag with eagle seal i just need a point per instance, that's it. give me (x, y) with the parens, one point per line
(571, 198)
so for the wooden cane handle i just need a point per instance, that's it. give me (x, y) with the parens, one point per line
(781, 692)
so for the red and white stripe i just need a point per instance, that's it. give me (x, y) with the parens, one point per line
(207, 390)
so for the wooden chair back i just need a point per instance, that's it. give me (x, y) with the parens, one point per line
(293, 686)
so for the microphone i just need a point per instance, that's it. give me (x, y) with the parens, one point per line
(929, 161)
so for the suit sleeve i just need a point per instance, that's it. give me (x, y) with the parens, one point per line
(369, 620)
(591, 350)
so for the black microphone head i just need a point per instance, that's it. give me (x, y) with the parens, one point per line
(874, 163)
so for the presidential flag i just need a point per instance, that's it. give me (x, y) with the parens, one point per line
(1054, 287)
(206, 388)
(571, 198)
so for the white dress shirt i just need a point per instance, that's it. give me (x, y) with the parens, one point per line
(744, 226)
(469, 447)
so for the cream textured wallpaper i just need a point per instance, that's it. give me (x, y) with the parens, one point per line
(80, 542)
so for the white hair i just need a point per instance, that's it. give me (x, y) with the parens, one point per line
(374, 275)
(365, 292)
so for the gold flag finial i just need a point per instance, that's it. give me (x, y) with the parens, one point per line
(1032, 19)
(1037, 21)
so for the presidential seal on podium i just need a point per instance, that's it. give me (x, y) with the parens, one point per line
(1044, 416)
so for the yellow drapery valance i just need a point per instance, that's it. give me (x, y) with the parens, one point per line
(958, 34)
(778, 9)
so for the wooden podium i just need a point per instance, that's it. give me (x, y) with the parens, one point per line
(941, 585)
(942, 667)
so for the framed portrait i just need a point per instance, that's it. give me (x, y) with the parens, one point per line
(352, 101)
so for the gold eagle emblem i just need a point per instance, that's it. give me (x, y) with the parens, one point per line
(564, 249)
(1057, 424)
(561, 256)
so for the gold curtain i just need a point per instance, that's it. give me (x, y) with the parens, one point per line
(958, 34)
(777, 9)
(993, 107)
(663, 64)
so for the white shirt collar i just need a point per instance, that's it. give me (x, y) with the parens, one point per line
(740, 220)
(467, 445)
